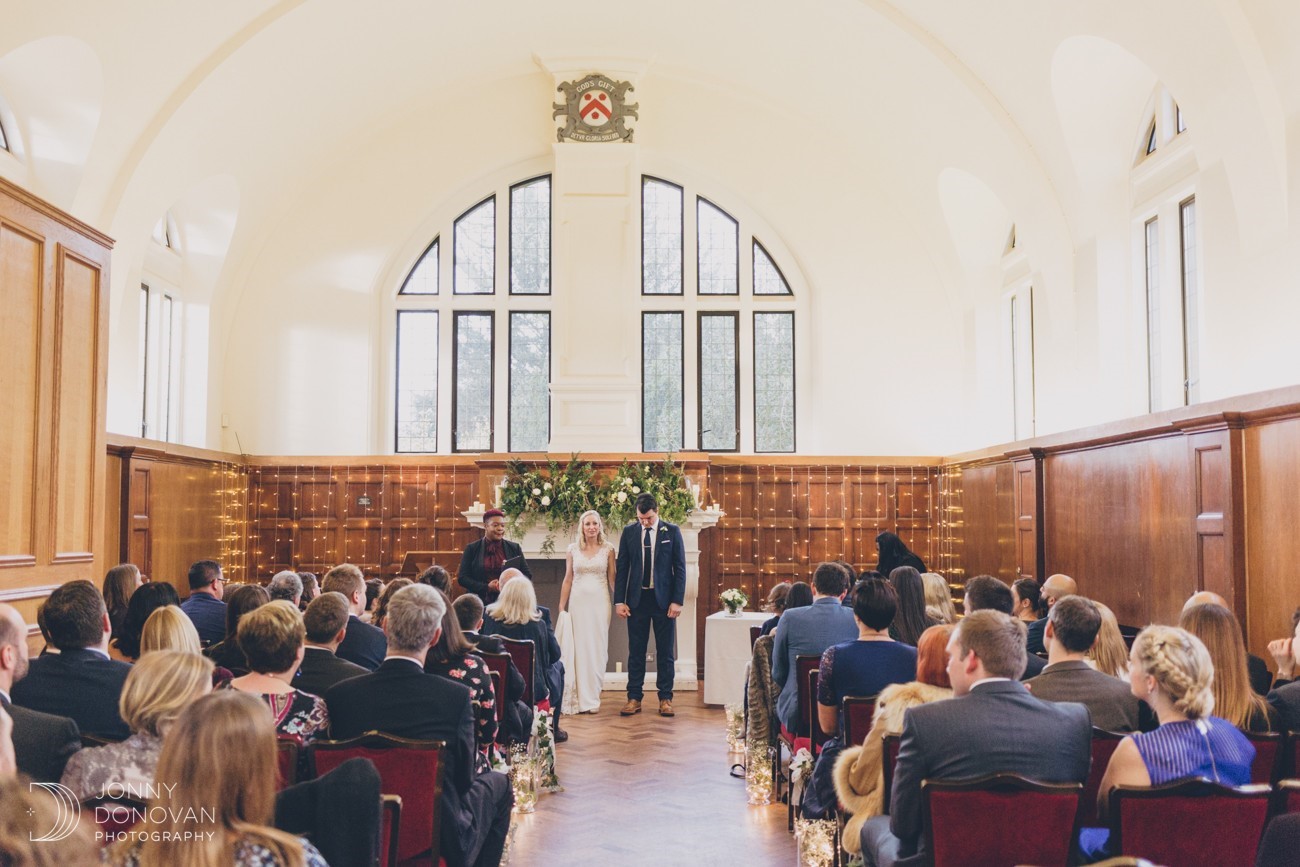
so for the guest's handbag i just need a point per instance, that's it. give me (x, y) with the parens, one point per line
(819, 798)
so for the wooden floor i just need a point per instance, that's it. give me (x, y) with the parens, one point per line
(649, 790)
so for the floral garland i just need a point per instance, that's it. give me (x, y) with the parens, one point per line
(558, 495)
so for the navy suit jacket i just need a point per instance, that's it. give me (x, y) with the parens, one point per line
(81, 684)
(208, 615)
(1286, 701)
(399, 698)
(806, 631)
(996, 728)
(669, 566)
(43, 743)
(363, 644)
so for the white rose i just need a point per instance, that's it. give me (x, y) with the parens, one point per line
(537, 492)
(546, 501)
(635, 489)
(626, 482)
(622, 496)
(547, 486)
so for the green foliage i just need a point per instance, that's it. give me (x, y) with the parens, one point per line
(664, 480)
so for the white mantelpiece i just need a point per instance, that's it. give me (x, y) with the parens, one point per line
(685, 678)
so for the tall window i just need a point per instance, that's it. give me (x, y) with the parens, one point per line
(1191, 302)
(159, 360)
(1022, 361)
(448, 352)
(1154, 353)
(735, 312)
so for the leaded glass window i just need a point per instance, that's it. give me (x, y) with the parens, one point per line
(1153, 313)
(1191, 303)
(661, 382)
(423, 279)
(530, 237)
(718, 248)
(768, 279)
(417, 380)
(661, 238)
(774, 382)
(530, 381)
(719, 382)
(474, 271)
(472, 386)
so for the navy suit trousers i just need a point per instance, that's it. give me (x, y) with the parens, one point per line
(646, 614)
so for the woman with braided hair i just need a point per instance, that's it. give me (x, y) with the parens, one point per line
(1170, 669)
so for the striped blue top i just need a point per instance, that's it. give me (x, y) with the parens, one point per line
(1210, 747)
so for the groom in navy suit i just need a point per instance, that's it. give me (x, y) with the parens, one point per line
(649, 589)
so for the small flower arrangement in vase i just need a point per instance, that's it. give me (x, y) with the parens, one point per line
(735, 601)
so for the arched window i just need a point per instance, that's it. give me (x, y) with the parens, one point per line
(735, 328)
(1168, 271)
(469, 320)
(4, 142)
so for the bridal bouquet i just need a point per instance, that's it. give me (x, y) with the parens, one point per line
(734, 598)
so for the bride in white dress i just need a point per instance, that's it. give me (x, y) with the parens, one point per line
(586, 593)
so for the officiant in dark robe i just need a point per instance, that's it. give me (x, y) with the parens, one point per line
(483, 561)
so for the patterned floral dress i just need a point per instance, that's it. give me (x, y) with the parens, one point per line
(471, 671)
(248, 853)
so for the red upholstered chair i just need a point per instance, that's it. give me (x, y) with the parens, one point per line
(819, 737)
(1104, 744)
(286, 758)
(521, 650)
(112, 815)
(412, 770)
(754, 632)
(1269, 756)
(999, 820)
(857, 711)
(887, 764)
(1286, 797)
(803, 664)
(499, 665)
(390, 831)
(1193, 822)
(1292, 755)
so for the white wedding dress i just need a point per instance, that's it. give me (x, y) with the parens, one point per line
(589, 613)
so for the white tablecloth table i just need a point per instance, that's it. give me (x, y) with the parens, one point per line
(727, 654)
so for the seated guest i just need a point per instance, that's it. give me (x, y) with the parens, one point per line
(241, 599)
(1172, 672)
(859, 774)
(363, 644)
(808, 632)
(800, 596)
(80, 681)
(120, 582)
(218, 810)
(27, 814)
(1109, 654)
(869, 663)
(204, 605)
(938, 598)
(374, 587)
(144, 602)
(1261, 681)
(161, 685)
(1055, 587)
(518, 719)
(1234, 700)
(986, 593)
(42, 742)
(1072, 627)
(516, 615)
(402, 700)
(272, 640)
(1026, 601)
(1285, 700)
(169, 629)
(451, 657)
(381, 605)
(325, 623)
(985, 729)
(1286, 653)
(436, 577)
(310, 589)
(775, 603)
(911, 619)
(286, 585)
(554, 672)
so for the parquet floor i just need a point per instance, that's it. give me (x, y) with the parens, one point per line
(645, 790)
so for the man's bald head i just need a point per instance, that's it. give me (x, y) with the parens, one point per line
(1205, 597)
(13, 646)
(1057, 587)
(506, 575)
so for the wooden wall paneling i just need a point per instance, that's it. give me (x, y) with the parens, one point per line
(1271, 473)
(139, 545)
(22, 276)
(1218, 502)
(115, 541)
(1027, 469)
(982, 524)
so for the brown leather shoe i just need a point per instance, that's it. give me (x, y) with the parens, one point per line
(632, 706)
(665, 708)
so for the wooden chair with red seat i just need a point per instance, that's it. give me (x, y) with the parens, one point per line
(818, 735)
(524, 654)
(1104, 744)
(754, 632)
(998, 820)
(390, 831)
(113, 816)
(857, 712)
(410, 769)
(1192, 822)
(795, 741)
(1269, 756)
(286, 759)
(888, 761)
(1291, 764)
(1286, 797)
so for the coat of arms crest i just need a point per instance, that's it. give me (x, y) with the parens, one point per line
(595, 109)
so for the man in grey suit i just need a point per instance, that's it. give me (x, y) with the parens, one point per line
(1072, 627)
(808, 632)
(992, 725)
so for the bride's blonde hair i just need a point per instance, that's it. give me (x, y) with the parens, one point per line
(600, 536)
